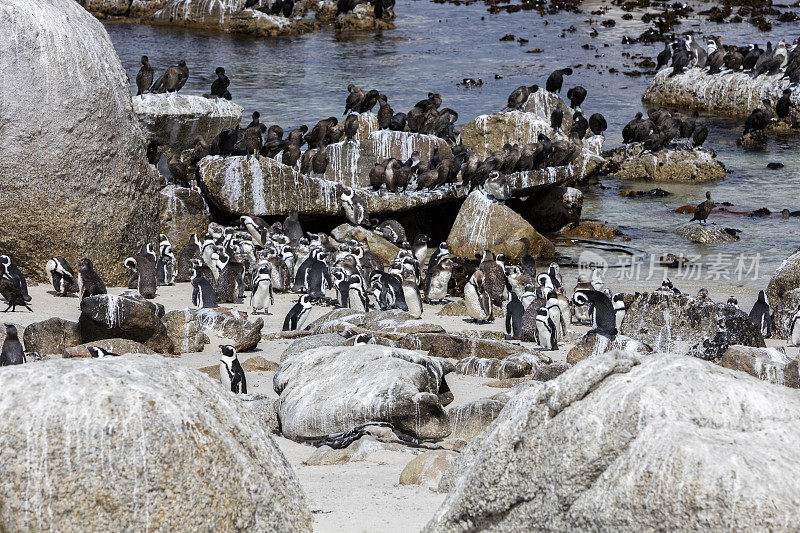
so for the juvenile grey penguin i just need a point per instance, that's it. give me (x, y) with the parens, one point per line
(603, 308)
(89, 282)
(527, 261)
(794, 329)
(100, 353)
(437, 280)
(11, 272)
(61, 276)
(203, 294)
(263, 295)
(497, 186)
(760, 315)
(477, 299)
(355, 209)
(494, 278)
(231, 373)
(412, 296)
(190, 251)
(514, 313)
(292, 227)
(298, 314)
(12, 352)
(546, 332)
(145, 271)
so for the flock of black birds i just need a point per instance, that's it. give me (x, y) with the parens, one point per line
(662, 127)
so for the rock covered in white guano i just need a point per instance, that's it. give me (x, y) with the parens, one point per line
(593, 345)
(483, 224)
(228, 323)
(730, 93)
(313, 341)
(677, 323)
(783, 294)
(175, 119)
(141, 441)
(69, 127)
(185, 331)
(182, 212)
(230, 16)
(681, 163)
(768, 364)
(330, 390)
(469, 420)
(632, 443)
(377, 243)
(707, 233)
(360, 18)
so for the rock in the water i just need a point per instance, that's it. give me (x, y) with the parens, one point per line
(51, 336)
(362, 17)
(735, 93)
(174, 119)
(593, 345)
(685, 325)
(767, 364)
(230, 16)
(139, 434)
(313, 341)
(330, 390)
(632, 443)
(185, 331)
(127, 316)
(594, 229)
(80, 138)
(427, 468)
(117, 346)
(482, 224)
(471, 419)
(386, 250)
(182, 212)
(681, 164)
(783, 294)
(230, 324)
(554, 209)
(121, 8)
(707, 233)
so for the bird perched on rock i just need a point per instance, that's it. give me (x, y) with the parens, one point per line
(759, 118)
(173, 79)
(144, 79)
(556, 79)
(219, 88)
(703, 210)
(520, 95)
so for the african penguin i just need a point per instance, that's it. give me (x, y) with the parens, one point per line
(546, 333)
(794, 329)
(255, 227)
(11, 272)
(437, 280)
(733, 301)
(190, 251)
(231, 373)
(356, 295)
(144, 274)
(12, 352)
(604, 316)
(364, 338)
(341, 282)
(100, 353)
(477, 299)
(554, 312)
(355, 209)
(165, 264)
(61, 276)
(298, 314)
(420, 247)
(263, 295)
(411, 295)
(760, 315)
(619, 308)
(438, 255)
(89, 282)
(203, 293)
(514, 313)
(494, 278)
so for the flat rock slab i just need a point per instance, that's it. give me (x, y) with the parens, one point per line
(707, 233)
(229, 16)
(614, 445)
(729, 93)
(330, 390)
(174, 119)
(678, 163)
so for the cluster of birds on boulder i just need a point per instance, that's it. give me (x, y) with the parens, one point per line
(662, 127)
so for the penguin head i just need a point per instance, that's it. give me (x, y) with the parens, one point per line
(228, 351)
(305, 300)
(363, 338)
(702, 293)
(762, 297)
(11, 331)
(130, 263)
(580, 298)
(733, 301)
(95, 352)
(348, 194)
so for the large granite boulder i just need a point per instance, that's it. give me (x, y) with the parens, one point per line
(594, 345)
(227, 323)
(553, 209)
(182, 212)
(106, 8)
(469, 420)
(362, 18)
(141, 441)
(733, 93)
(483, 224)
(74, 134)
(707, 233)
(127, 316)
(313, 341)
(685, 325)
(385, 249)
(231, 16)
(632, 443)
(768, 364)
(185, 330)
(783, 294)
(679, 163)
(175, 119)
(51, 336)
(333, 389)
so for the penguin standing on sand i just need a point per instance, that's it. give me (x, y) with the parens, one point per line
(356, 296)
(554, 312)
(355, 209)
(437, 280)
(760, 315)
(231, 373)
(263, 294)
(477, 299)
(12, 352)
(298, 314)
(546, 330)
(203, 293)
(794, 329)
(619, 308)
(11, 272)
(100, 353)
(143, 274)
(604, 316)
(438, 255)
(89, 282)
(514, 313)
(411, 294)
(61, 276)
(318, 277)
(341, 282)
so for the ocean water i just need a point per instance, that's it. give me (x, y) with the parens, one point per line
(297, 80)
